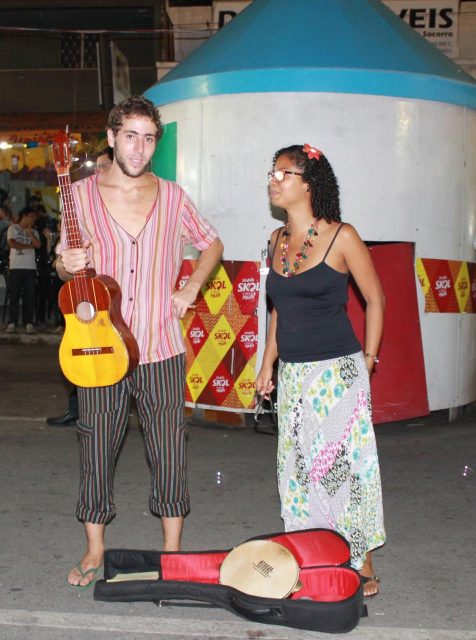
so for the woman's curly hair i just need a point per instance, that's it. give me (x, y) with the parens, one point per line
(134, 106)
(320, 177)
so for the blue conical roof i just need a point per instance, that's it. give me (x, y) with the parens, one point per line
(339, 46)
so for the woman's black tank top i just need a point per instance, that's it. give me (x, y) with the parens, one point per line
(312, 322)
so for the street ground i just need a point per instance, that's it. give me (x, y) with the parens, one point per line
(427, 566)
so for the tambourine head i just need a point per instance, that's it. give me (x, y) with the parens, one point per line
(260, 568)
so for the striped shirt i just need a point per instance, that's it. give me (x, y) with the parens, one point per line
(146, 267)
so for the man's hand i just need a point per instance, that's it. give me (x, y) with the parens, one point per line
(75, 259)
(184, 298)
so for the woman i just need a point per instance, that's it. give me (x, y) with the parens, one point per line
(328, 472)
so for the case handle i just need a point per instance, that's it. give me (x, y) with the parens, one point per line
(242, 608)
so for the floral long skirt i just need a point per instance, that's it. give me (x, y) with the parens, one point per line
(328, 470)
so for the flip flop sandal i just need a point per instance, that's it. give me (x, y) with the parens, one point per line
(366, 579)
(92, 571)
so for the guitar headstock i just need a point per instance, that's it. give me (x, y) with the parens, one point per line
(61, 153)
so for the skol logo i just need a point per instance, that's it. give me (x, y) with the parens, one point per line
(216, 285)
(247, 385)
(249, 339)
(195, 379)
(216, 288)
(182, 282)
(196, 335)
(248, 286)
(247, 289)
(222, 336)
(463, 285)
(442, 285)
(220, 384)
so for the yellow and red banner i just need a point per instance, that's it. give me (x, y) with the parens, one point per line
(449, 285)
(41, 136)
(221, 336)
(28, 149)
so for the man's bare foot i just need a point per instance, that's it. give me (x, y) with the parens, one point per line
(84, 573)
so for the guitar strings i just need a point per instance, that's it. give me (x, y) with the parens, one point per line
(73, 237)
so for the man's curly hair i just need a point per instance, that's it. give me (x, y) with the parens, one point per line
(320, 177)
(133, 107)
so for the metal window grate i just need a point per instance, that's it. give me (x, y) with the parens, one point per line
(78, 51)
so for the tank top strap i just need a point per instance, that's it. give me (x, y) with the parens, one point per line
(275, 243)
(332, 241)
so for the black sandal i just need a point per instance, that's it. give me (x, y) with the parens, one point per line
(366, 579)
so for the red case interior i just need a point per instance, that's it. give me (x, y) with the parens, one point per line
(313, 550)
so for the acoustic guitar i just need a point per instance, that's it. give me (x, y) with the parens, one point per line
(97, 348)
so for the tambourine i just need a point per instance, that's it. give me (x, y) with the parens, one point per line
(261, 568)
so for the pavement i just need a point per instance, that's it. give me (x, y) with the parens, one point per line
(427, 566)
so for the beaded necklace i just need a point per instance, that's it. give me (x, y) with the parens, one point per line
(288, 269)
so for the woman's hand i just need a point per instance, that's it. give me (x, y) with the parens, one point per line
(264, 382)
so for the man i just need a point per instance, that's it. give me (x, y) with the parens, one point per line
(4, 248)
(22, 239)
(69, 417)
(104, 159)
(134, 228)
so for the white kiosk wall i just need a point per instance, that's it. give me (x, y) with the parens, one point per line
(406, 169)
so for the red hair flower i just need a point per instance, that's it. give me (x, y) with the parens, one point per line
(312, 152)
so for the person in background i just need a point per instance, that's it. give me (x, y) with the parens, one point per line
(6, 202)
(328, 470)
(43, 266)
(134, 227)
(69, 417)
(104, 159)
(4, 248)
(23, 239)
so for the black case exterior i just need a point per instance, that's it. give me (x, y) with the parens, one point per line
(339, 616)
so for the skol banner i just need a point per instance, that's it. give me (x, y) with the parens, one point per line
(449, 285)
(221, 337)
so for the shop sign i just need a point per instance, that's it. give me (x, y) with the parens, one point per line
(226, 10)
(435, 20)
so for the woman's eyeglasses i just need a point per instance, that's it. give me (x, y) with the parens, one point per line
(280, 174)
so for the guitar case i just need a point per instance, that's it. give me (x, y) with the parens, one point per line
(328, 597)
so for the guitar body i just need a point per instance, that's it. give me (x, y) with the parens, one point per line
(97, 348)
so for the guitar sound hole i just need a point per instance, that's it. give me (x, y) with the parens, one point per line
(85, 311)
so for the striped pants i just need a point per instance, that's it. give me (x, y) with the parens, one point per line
(158, 389)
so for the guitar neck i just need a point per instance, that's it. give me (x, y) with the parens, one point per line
(69, 218)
